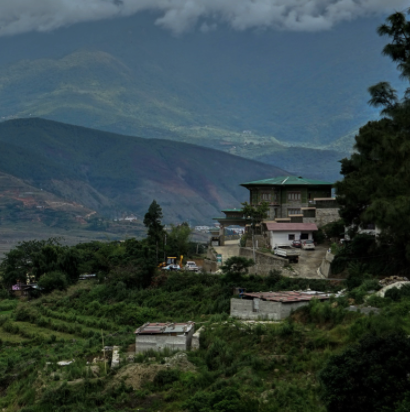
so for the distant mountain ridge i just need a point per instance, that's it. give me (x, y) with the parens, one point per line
(129, 76)
(113, 173)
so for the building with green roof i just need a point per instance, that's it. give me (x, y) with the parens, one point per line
(288, 196)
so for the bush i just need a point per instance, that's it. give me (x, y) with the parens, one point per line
(166, 377)
(53, 280)
(367, 377)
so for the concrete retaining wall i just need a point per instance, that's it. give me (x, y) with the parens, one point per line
(161, 341)
(195, 338)
(264, 262)
(324, 268)
(244, 309)
(209, 266)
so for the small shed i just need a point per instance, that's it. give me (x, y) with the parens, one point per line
(157, 336)
(272, 305)
(285, 233)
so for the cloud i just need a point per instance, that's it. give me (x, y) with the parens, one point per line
(18, 16)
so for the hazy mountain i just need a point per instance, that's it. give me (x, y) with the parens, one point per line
(112, 173)
(127, 75)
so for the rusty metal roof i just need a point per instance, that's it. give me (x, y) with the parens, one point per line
(288, 297)
(161, 328)
(285, 227)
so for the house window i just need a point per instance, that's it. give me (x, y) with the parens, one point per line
(266, 197)
(293, 212)
(294, 196)
(291, 237)
(275, 197)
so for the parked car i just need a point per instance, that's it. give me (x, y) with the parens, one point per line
(308, 244)
(191, 266)
(297, 243)
(172, 267)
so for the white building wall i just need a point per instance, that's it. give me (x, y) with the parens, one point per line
(282, 238)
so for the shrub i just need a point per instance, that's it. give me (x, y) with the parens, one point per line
(53, 280)
(166, 377)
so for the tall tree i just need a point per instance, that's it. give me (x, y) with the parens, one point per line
(376, 184)
(152, 221)
(178, 239)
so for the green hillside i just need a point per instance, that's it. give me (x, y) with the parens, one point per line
(129, 76)
(110, 173)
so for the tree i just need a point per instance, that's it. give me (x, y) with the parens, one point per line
(236, 266)
(375, 187)
(256, 213)
(53, 280)
(178, 239)
(370, 376)
(152, 221)
(26, 259)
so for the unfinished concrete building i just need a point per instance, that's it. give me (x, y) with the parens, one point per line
(157, 336)
(271, 305)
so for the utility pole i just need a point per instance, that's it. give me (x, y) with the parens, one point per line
(253, 240)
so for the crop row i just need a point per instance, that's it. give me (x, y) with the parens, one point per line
(73, 318)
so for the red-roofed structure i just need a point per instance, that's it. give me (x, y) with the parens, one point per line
(272, 305)
(291, 227)
(287, 296)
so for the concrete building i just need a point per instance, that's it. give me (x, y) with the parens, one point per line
(271, 305)
(157, 336)
(290, 199)
(286, 233)
(288, 196)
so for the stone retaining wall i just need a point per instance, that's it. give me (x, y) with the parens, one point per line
(264, 262)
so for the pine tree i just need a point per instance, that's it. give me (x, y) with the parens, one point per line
(152, 221)
(376, 184)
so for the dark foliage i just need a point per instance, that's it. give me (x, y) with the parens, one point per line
(370, 376)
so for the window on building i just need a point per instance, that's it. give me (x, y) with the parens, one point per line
(294, 212)
(294, 196)
(291, 237)
(276, 197)
(266, 197)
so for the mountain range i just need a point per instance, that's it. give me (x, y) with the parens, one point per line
(129, 76)
(114, 174)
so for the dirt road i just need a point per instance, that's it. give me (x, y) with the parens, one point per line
(309, 261)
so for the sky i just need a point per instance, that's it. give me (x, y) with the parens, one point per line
(181, 16)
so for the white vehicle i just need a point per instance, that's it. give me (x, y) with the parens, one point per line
(171, 267)
(308, 244)
(287, 252)
(191, 266)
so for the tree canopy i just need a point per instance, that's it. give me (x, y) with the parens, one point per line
(375, 188)
(369, 376)
(152, 221)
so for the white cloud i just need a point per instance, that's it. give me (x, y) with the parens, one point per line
(17, 16)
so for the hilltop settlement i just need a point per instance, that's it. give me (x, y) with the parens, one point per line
(297, 300)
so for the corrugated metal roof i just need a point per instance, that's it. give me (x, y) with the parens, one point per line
(285, 227)
(287, 181)
(288, 297)
(161, 328)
